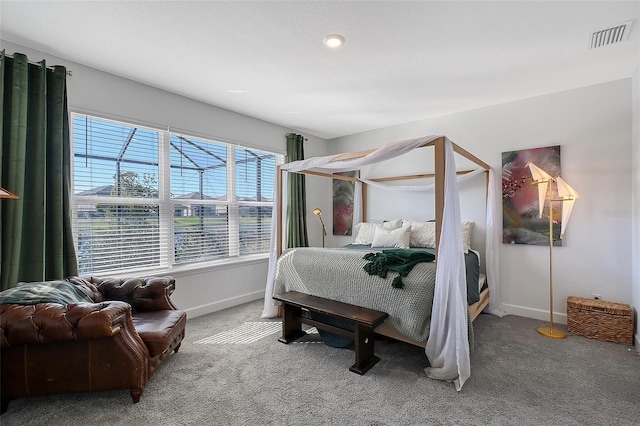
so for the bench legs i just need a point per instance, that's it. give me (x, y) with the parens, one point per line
(4, 404)
(363, 337)
(291, 324)
(365, 359)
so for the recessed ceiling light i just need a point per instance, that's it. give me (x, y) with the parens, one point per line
(333, 41)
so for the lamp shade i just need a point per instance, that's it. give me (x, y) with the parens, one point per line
(543, 179)
(7, 194)
(568, 195)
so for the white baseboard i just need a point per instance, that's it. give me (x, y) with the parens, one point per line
(637, 343)
(523, 311)
(224, 304)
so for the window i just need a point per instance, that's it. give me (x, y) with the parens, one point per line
(254, 177)
(149, 198)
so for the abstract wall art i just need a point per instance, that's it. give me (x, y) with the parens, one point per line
(343, 193)
(520, 209)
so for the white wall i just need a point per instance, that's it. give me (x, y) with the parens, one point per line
(593, 127)
(199, 290)
(635, 259)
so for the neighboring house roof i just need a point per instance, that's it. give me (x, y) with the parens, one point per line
(194, 196)
(264, 199)
(98, 190)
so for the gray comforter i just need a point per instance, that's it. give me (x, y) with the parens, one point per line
(338, 274)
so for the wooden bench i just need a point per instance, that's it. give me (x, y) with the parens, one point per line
(364, 320)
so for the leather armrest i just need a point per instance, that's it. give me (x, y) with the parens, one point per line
(51, 322)
(143, 294)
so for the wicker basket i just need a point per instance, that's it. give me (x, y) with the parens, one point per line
(595, 319)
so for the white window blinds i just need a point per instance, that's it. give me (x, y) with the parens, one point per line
(147, 198)
(255, 171)
(116, 197)
(199, 199)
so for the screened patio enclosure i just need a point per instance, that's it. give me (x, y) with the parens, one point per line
(150, 198)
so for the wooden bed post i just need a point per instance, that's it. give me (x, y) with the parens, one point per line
(439, 185)
(279, 242)
(364, 202)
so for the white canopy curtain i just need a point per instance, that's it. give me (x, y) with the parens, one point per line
(448, 344)
(448, 350)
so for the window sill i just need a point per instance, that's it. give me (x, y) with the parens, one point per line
(193, 268)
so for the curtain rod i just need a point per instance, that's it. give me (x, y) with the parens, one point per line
(69, 72)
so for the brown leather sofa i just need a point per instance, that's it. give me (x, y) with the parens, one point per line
(117, 342)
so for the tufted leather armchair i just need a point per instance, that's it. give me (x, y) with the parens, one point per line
(117, 342)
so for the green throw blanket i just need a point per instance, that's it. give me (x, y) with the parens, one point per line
(397, 260)
(61, 292)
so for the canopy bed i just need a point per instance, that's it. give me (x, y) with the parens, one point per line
(430, 310)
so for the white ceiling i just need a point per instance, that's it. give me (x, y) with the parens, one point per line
(402, 60)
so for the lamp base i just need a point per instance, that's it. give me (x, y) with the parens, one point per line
(552, 333)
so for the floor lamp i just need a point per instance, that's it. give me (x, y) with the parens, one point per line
(567, 196)
(318, 213)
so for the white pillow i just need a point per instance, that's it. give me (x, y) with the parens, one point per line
(398, 238)
(365, 230)
(423, 234)
(466, 235)
(392, 224)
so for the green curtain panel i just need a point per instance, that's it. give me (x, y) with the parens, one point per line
(37, 241)
(296, 196)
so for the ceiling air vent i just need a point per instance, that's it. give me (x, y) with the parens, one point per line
(613, 35)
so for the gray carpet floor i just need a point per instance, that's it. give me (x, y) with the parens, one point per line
(517, 378)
